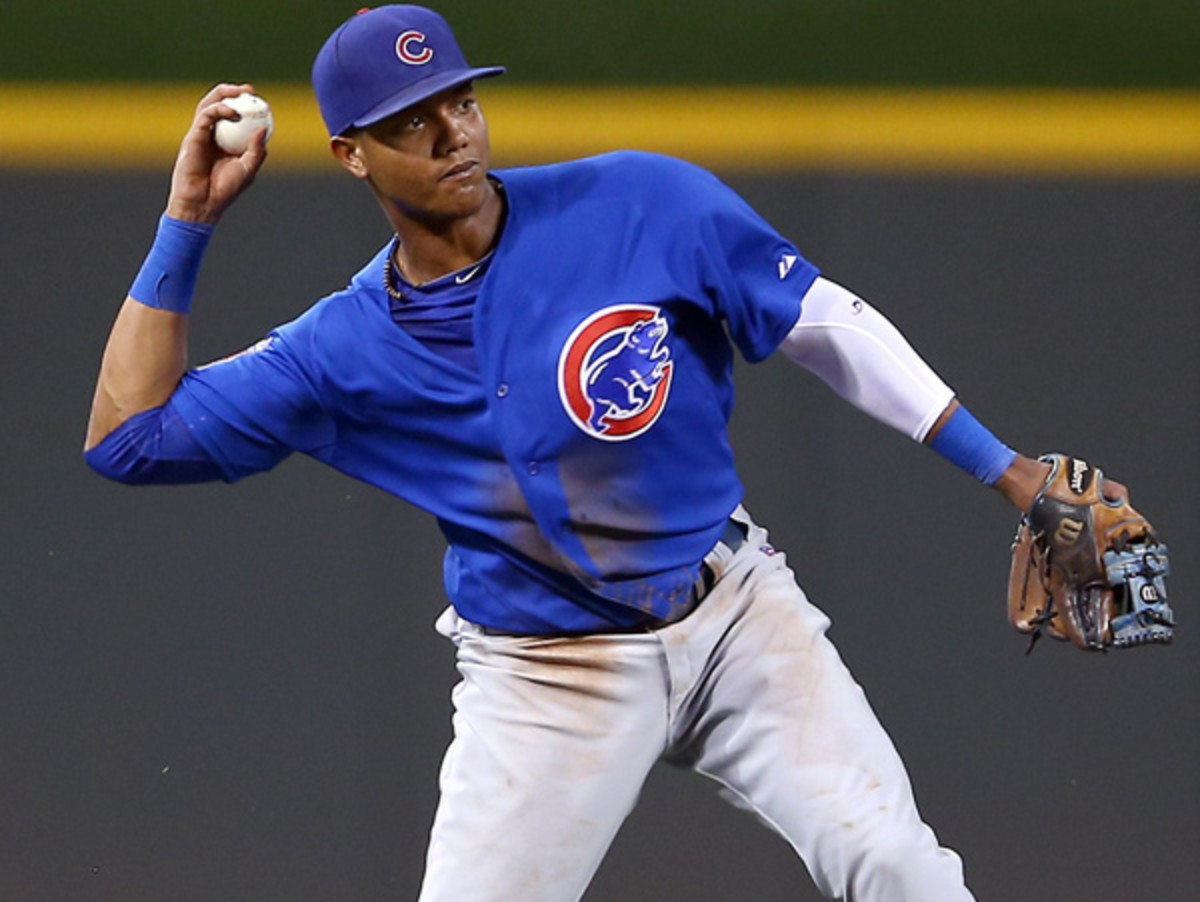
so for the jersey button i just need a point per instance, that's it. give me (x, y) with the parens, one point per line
(502, 390)
(533, 468)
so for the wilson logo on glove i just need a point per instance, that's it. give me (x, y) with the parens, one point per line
(1079, 473)
(1068, 532)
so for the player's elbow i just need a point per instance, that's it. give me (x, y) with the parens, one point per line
(126, 468)
(151, 448)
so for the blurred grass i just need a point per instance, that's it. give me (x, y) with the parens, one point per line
(1049, 43)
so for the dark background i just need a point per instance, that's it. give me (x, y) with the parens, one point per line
(235, 693)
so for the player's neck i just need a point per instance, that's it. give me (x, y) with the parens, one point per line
(428, 250)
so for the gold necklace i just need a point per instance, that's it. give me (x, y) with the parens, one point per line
(389, 277)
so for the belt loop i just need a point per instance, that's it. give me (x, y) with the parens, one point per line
(733, 537)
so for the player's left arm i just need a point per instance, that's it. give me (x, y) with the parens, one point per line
(1085, 566)
(835, 334)
(863, 357)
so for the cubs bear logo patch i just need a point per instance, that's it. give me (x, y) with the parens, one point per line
(614, 373)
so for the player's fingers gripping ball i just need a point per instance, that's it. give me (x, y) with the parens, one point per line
(233, 135)
(1088, 568)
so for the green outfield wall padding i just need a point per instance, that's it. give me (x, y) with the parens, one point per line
(1065, 43)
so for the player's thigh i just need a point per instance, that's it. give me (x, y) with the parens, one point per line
(781, 723)
(552, 741)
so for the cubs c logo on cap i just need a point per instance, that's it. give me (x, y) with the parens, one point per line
(614, 372)
(405, 45)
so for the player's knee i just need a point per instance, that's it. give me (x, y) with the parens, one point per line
(900, 868)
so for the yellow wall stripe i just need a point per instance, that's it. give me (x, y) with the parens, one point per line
(75, 126)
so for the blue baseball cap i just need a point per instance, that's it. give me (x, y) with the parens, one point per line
(385, 59)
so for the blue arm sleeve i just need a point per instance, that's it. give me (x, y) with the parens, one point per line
(964, 441)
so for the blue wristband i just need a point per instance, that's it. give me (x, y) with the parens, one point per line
(966, 442)
(167, 278)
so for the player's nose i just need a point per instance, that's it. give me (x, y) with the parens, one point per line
(453, 136)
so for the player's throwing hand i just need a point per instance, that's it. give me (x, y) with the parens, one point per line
(206, 179)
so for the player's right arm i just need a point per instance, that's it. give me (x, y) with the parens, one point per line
(146, 354)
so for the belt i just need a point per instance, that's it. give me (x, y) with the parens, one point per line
(733, 537)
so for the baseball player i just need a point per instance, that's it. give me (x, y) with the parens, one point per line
(541, 358)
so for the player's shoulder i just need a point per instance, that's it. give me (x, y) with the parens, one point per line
(339, 317)
(642, 165)
(633, 174)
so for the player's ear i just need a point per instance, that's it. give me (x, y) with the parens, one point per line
(347, 149)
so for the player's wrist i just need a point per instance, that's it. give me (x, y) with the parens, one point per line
(967, 443)
(167, 279)
(1022, 480)
(189, 211)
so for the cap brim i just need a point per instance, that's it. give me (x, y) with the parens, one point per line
(422, 90)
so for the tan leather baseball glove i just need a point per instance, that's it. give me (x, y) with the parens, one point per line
(1086, 567)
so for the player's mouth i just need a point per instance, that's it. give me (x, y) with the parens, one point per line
(459, 172)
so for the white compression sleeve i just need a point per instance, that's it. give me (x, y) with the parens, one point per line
(865, 359)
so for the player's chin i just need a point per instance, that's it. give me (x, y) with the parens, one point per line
(463, 197)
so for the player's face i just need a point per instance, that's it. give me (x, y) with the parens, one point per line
(428, 162)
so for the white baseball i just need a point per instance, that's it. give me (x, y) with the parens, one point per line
(233, 135)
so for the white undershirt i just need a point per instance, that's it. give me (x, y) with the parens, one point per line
(857, 352)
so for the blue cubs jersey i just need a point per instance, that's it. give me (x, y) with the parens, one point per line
(582, 472)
